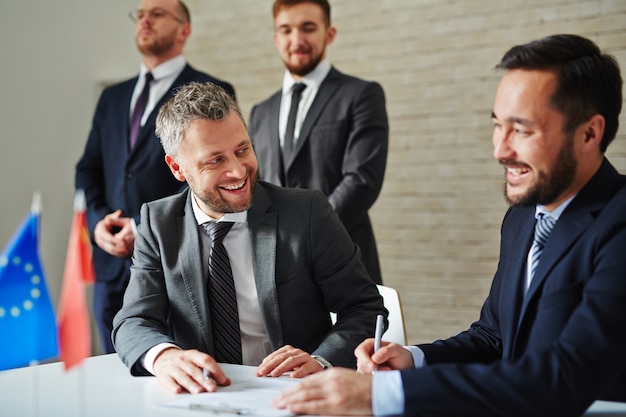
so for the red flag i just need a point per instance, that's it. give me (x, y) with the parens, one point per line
(74, 332)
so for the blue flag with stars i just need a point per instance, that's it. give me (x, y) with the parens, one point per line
(27, 323)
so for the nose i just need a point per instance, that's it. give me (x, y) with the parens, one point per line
(236, 168)
(296, 37)
(502, 144)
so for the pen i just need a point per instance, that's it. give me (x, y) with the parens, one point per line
(205, 372)
(218, 409)
(378, 335)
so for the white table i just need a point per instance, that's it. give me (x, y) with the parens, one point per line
(102, 386)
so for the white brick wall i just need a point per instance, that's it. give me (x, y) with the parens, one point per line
(438, 217)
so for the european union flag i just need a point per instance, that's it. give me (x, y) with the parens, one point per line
(27, 323)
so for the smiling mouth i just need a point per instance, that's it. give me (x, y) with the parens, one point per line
(516, 172)
(234, 187)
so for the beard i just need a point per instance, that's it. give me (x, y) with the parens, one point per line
(549, 185)
(156, 47)
(217, 203)
(302, 70)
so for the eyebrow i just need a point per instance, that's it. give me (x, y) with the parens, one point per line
(518, 120)
(298, 25)
(244, 142)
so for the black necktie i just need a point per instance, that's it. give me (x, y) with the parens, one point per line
(222, 297)
(296, 93)
(140, 108)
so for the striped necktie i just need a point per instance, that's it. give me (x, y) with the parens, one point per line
(543, 228)
(222, 297)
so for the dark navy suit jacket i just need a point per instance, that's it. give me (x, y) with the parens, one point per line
(114, 177)
(559, 348)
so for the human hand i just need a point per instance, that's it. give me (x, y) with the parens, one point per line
(180, 370)
(287, 359)
(337, 391)
(114, 235)
(389, 356)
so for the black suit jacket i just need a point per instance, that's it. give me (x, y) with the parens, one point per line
(304, 263)
(341, 150)
(555, 351)
(114, 177)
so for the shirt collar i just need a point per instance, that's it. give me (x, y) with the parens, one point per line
(174, 65)
(556, 213)
(312, 79)
(202, 217)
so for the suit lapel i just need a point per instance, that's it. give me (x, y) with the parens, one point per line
(577, 217)
(192, 266)
(263, 226)
(274, 111)
(124, 116)
(327, 90)
(147, 129)
(514, 277)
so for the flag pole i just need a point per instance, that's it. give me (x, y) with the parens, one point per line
(35, 208)
(33, 407)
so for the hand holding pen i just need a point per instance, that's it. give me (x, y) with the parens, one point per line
(377, 355)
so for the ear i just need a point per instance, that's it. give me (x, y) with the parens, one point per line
(593, 130)
(185, 31)
(175, 168)
(330, 35)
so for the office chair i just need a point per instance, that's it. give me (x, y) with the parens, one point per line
(395, 332)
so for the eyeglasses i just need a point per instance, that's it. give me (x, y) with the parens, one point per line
(153, 14)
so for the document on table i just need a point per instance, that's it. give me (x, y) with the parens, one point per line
(253, 398)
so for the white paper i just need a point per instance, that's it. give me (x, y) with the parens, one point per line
(252, 398)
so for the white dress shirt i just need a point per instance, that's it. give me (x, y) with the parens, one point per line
(313, 80)
(164, 76)
(255, 345)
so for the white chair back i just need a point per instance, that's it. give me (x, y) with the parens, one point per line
(395, 332)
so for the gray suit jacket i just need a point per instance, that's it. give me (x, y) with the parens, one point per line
(305, 265)
(341, 150)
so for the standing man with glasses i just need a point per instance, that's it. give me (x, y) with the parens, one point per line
(123, 164)
(323, 130)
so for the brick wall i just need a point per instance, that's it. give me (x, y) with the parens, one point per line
(437, 219)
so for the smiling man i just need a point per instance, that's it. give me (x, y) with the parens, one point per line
(323, 130)
(122, 165)
(262, 294)
(550, 338)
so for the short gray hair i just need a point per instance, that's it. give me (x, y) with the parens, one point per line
(191, 102)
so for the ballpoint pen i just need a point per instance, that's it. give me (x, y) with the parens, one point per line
(378, 335)
(219, 409)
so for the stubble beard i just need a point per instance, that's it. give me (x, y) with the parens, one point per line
(549, 185)
(220, 205)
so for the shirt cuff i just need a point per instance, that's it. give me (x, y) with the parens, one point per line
(150, 356)
(387, 393)
(419, 359)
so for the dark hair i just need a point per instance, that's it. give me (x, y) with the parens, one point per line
(185, 10)
(279, 4)
(588, 81)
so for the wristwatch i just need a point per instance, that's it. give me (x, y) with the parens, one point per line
(323, 362)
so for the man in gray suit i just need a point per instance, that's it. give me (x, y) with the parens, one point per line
(292, 262)
(337, 139)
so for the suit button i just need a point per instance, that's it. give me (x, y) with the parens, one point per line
(129, 175)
